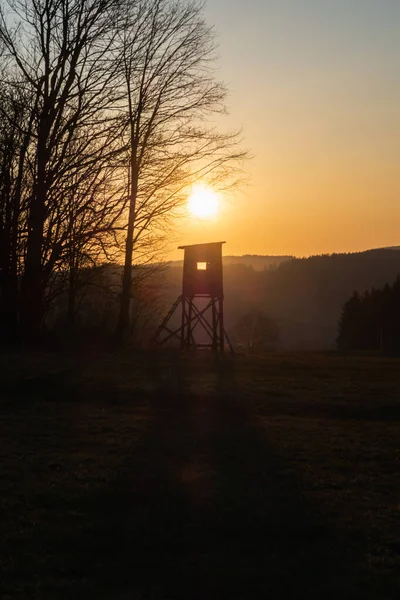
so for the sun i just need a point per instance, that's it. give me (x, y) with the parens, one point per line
(203, 202)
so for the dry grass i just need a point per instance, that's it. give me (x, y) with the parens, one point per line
(160, 477)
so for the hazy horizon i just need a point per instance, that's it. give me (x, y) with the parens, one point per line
(227, 254)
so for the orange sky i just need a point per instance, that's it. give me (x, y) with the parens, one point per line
(315, 84)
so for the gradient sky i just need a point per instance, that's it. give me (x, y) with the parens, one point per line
(315, 84)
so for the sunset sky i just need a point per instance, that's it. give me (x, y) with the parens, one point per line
(315, 84)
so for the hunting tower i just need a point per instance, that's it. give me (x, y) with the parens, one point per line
(201, 301)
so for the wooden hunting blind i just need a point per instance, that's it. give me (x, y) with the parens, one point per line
(201, 301)
(202, 270)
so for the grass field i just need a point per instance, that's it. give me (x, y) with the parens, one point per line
(165, 477)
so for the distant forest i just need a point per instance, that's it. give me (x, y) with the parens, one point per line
(295, 305)
(257, 261)
(284, 304)
(371, 321)
(303, 298)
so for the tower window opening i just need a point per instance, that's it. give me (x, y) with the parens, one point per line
(202, 266)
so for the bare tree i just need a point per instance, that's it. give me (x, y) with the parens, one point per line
(91, 230)
(168, 59)
(108, 121)
(256, 331)
(14, 188)
(59, 52)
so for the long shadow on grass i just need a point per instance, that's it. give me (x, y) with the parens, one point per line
(202, 509)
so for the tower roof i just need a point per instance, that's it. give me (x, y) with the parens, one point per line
(194, 245)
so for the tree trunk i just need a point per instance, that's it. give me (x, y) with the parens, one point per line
(9, 298)
(32, 292)
(123, 320)
(71, 302)
(33, 281)
(8, 262)
(9, 310)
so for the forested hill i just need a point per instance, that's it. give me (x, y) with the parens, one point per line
(309, 293)
(256, 261)
(305, 296)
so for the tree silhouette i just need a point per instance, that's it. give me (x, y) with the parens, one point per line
(106, 105)
(58, 53)
(256, 331)
(371, 321)
(169, 88)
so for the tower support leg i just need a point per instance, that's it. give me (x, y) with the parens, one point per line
(221, 325)
(192, 318)
(183, 322)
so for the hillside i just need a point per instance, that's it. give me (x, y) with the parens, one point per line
(304, 296)
(258, 262)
